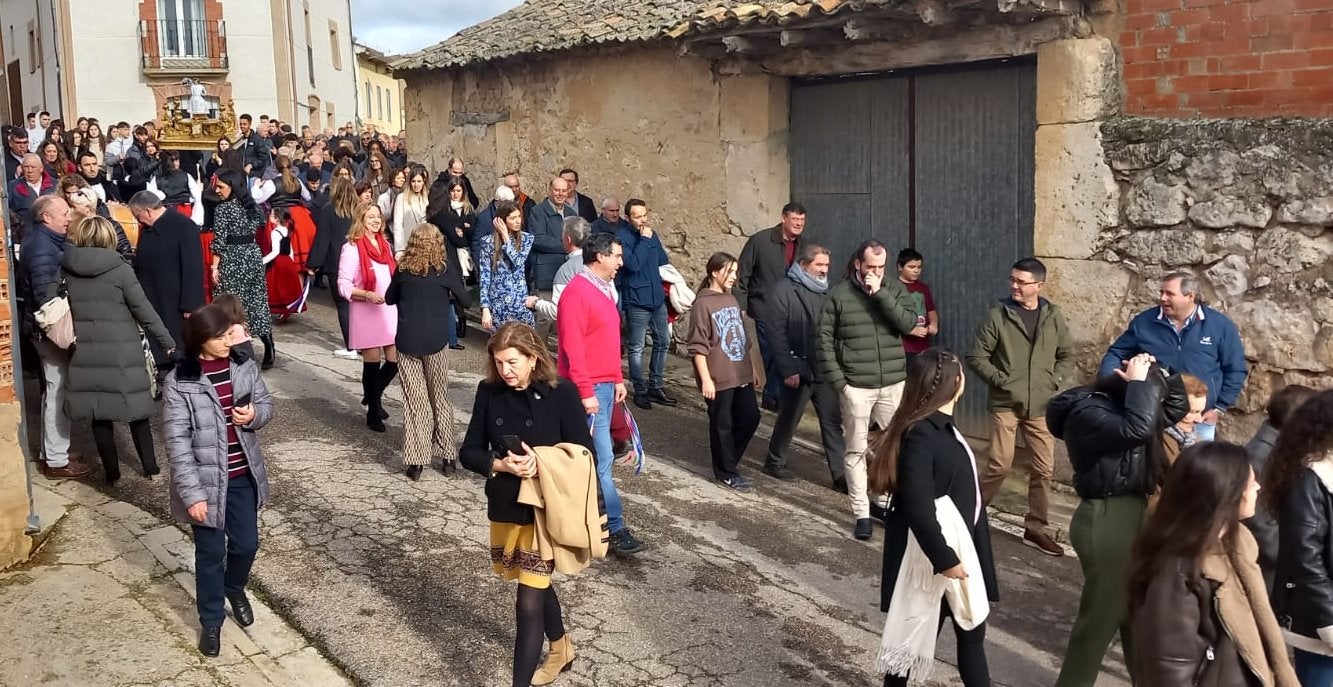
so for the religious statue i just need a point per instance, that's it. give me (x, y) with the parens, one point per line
(197, 105)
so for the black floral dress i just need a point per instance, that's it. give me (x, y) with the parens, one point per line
(240, 264)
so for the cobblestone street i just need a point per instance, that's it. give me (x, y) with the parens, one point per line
(391, 578)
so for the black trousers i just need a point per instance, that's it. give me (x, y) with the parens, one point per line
(344, 308)
(791, 407)
(971, 654)
(733, 417)
(104, 436)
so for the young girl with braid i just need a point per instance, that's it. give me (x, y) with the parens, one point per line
(921, 458)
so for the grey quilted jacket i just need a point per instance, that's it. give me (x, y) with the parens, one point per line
(196, 435)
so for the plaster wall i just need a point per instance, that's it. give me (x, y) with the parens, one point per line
(707, 152)
(40, 86)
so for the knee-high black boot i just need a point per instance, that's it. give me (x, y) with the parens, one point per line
(370, 385)
(387, 372)
(269, 352)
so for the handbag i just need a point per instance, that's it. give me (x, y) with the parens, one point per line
(55, 318)
(465, 266)
(150, 364)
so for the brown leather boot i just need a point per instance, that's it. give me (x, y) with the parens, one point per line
(559, 658)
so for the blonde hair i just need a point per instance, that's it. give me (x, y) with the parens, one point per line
(1194, 387)
(424, 252)
(359, 228)
(94, 232)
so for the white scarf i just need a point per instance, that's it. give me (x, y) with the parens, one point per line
(907, 647)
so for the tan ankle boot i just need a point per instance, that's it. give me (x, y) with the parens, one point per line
(558, 659)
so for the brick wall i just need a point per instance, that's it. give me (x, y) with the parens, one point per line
(1228, 58)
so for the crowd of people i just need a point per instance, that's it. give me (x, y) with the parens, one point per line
(213, 249)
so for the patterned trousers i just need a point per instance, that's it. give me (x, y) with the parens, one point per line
(428, 419)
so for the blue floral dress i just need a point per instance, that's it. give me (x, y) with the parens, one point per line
(504, 285)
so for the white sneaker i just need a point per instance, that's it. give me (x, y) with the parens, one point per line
(346, 354)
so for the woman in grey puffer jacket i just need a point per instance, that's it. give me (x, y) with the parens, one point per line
(108, 378)
(215, 402)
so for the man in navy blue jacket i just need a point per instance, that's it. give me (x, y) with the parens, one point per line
(40, 254)
(644, 303)
(1187, 336)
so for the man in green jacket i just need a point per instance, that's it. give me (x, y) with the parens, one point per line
(860, 353)
(1022, 350)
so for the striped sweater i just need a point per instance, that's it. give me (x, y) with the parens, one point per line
(218, 373)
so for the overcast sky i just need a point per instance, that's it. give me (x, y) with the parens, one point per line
(395, 27)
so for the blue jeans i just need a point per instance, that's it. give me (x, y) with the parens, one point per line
(451, 322)
(772, 381)
(606, 455)
(643, 320)
(1204, 431)
(1314, 670)
(223, 556)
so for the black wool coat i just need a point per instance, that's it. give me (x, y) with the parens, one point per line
(422, 325)
(540, 415)
(330, 235)
(108, 379)
(169, 264)
(931, 464)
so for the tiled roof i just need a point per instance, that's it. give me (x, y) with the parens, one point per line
(540, 26)
(723, 15)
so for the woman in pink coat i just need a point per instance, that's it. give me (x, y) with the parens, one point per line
(364, 269)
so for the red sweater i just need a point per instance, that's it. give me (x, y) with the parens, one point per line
(588, 324)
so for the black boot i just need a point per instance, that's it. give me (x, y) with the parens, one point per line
(388, 371)
(370, 386)
(269, 352)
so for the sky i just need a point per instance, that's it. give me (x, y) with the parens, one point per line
(395, 27)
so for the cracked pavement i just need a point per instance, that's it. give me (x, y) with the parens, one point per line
(392, 578)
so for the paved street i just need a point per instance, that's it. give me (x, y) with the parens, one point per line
(391, 578)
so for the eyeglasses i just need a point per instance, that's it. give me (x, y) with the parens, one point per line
(1021, 283)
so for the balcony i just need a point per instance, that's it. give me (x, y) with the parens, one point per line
(185, 47)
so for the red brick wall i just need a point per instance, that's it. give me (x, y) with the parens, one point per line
(1228, 58)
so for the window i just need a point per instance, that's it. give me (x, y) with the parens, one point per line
(34, 49)
(309, 45)
(181, 28)
(388, 105)
(379, 100)
(367, 98)
(334, 51)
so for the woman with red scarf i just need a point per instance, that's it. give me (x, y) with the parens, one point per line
(364, 269)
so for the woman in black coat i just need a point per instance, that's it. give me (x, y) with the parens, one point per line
(522, 400)
(1114, 431)
(450, 210)
(331, 227)
(921, 458)
(108, 376)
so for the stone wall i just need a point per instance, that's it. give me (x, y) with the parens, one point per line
(706, 151)
(1245, 204)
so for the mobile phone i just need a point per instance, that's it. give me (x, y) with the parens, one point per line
(513, 444)
(241, 402)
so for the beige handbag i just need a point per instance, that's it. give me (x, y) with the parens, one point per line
(55, 318)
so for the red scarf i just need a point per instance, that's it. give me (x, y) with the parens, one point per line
(383, 255)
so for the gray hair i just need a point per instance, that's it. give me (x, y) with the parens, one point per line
(1189, 284)
(504, 193)
(810, 251)
(145, 200)
(576, 230)
(609, 201)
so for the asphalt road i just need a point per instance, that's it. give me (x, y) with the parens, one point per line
(391, 578)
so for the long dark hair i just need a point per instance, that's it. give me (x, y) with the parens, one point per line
(1115, 386)
(1305, 437)
(240, 187)
(208, 322)
(1200, 501)
(716, 262)
(933, 379)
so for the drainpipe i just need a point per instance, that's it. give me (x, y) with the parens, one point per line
(55, 51)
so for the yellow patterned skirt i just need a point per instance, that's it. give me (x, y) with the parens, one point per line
(514, 555)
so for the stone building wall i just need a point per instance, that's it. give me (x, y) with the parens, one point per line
(1245, 204)
(707, 152)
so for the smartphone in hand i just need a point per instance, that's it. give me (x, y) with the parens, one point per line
(513, 444)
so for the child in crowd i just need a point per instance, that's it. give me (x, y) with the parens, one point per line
(909, 273)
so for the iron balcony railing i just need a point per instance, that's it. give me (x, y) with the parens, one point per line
(183, 45)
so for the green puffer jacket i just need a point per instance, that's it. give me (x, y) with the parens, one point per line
(860, 336)
(1022, 374)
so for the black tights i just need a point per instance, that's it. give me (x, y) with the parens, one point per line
(538, 613)
(104, 436)
(971, 655)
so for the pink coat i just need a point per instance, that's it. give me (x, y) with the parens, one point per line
(370, 325)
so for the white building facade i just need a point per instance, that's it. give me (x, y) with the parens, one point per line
(289, 59)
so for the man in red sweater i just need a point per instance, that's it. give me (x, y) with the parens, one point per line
(588, 323)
